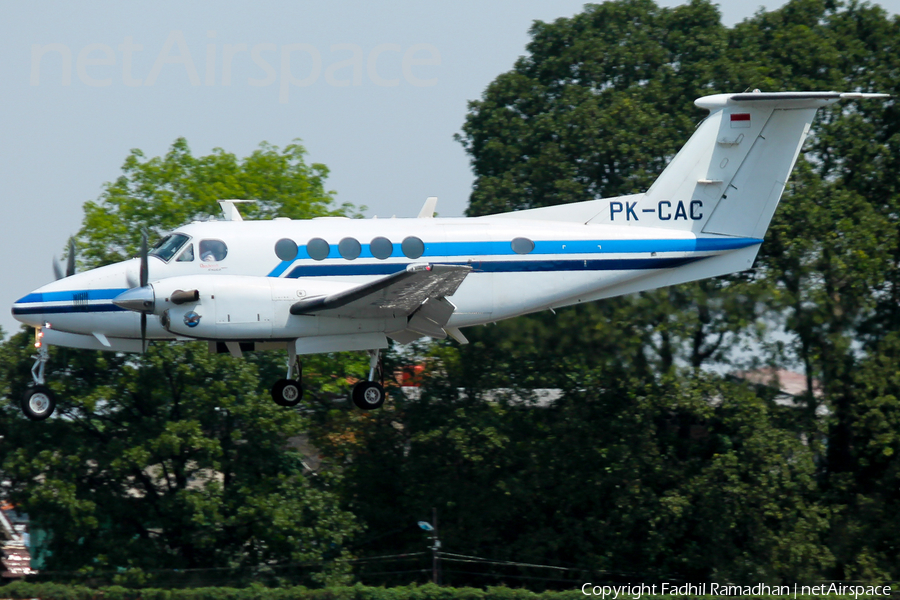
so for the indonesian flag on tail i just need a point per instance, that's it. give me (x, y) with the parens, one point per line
(740, 120)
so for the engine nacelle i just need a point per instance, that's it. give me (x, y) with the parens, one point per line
(234, 307)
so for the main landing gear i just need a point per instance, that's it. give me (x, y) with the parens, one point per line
(369, 395)
(288, 392)
(39, 401)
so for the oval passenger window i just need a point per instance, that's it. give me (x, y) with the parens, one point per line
(317, 248)
(522, 245)
(286, 249)
(381, 247)
(349, 248)
(413, 247)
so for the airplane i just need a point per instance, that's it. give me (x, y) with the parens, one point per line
(333, 284)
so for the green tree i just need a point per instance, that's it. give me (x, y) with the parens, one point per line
(597, 106)
(176, 458)
(161, 193)
(687, 478)
(862, 533)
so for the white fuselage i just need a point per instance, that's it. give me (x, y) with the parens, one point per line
(551, 264)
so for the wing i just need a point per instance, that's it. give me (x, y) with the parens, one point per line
(397, 295)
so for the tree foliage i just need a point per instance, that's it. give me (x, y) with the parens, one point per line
(163, 192)
(595, 108)
(178, 459)
(638, 462)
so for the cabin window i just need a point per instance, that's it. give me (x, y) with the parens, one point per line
(213, 250)
(522, 245)
(286, 249)
(166, 248)
(349, 248)
(318, 249)
(413, 247)
(381, 247)
(187, 255)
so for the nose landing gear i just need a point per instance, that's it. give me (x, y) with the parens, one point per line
(39, 401)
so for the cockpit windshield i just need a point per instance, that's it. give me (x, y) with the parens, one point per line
(168, 246)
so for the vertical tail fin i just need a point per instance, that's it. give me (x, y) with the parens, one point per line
(729, 176)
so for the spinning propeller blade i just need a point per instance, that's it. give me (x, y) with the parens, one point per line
(144, 273)
(144, 277)
(70, 262)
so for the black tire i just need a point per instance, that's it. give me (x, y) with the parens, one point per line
(38, 403)
(368, 395)
(287, 392)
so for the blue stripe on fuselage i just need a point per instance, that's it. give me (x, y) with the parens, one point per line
(38, 302)
(503, 248)
(499, 266)
(69, 295)
(53, 310)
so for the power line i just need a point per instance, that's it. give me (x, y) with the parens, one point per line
(386, 557)
(498, 576)
(478, 559)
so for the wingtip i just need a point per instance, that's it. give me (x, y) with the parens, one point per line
(863, 95)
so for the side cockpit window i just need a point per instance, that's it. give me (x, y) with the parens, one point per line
(213, 250)
(166, 248)
(187, 255)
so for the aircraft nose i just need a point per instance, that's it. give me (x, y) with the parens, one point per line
(30, 309)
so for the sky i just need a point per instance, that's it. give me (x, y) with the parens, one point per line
(375, 91)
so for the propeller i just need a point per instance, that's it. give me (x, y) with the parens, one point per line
(142, 298)
(143, 277)
(70, 263)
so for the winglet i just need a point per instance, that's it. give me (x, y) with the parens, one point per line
(230, 210)
(427, 211)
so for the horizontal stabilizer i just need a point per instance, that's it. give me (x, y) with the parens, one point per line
(789, 100)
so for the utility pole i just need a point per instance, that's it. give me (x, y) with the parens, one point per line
(435, 546)
(435, 551)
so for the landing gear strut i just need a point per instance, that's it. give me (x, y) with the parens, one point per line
(369, 395)
(39, 401)
(288, 392)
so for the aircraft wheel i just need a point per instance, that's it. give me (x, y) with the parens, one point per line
(38, 403)
(287, 392)
(368, 395)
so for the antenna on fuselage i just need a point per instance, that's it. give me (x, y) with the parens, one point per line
(230, 210)
(427, 211)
